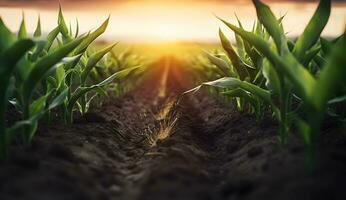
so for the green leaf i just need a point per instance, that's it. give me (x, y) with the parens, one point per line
(8, 60)
(310, 55)
(60, 74)
(234, 83)
(44, 65)
(272, 25)
(221, 64)
(38, 31)
(304, 130)
(77, 29)
(37, 110)
(118, 75)
(50, 38)
(288, 66)
(273, 82)
(62, 25)
(70, 59)
(236, 62)
(60, 99)
(11, 56)
(38, 105)
(313, 30)
(242, 94)
(239, 41)
(81, 91)
(87, 105)
(22, 29)
(6, 37)
(331, 76)
(326, 46)
(51, 82)
(40, 45)
(93, 60)
(91, 37)
(320, 61)
(337, 100)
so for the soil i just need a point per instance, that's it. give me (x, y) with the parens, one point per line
(152, 145)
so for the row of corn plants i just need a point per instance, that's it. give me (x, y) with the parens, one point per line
(44, 76)
(301, 81)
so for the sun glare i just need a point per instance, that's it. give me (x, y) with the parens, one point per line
(167, 33)
(160, 22)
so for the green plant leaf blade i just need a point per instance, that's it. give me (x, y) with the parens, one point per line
(313, 30)
(44, 65)
(81, 91)
(38, 31)
(290, 67)
(22, 33)
(272, 25)
(221, 64)
(234, 83)
(91, 37)
(236, 62)
(6, 37)
(93, 60)
(331, 77)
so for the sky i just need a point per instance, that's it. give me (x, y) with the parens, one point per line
(164, 20)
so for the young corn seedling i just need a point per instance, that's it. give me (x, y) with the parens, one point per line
(11, 52)
(112, 63)
(18, 85)
(244, 63)
(76, 74)
(285, 68)
(32, 72)
(289, 65)
(41, 74)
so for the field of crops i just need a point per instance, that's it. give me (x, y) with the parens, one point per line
(260, 117)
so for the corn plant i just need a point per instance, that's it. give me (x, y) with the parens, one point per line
(244, 63)
(74, 75)
(39, 75)
(19, 48)
(32, 97)
(289, 78)
(110, 64)
(10, 53)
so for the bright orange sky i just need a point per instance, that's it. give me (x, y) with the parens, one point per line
(158, 21)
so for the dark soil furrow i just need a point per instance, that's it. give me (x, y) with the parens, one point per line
(141, 146)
